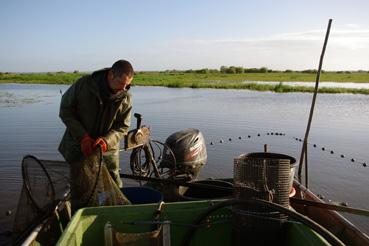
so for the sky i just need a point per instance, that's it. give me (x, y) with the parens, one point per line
(86, 35)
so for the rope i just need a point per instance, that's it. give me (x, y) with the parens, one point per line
(150, 166)
(137, 167)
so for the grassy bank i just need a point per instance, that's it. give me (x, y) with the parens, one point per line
(40, 78)
(209, 80)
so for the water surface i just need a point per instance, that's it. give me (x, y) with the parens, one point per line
(346, 85)
(30, 125)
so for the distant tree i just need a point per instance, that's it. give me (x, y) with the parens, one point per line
(213, 70)
(309, 71)
(171, 71)
(251, 70)
(223, 69)
(263, 70)
(288, 71)
(239, 69)
(234, 69)
(202, 71)
(231, 69)
(75, 71)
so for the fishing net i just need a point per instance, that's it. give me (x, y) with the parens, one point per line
(45, 183)
(92, 185)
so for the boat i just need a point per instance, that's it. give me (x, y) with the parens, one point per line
(88, 225)
(191, 211)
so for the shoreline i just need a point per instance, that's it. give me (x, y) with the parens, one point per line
(280, 88)
(245, 81)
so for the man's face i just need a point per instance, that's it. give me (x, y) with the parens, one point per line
(120, 83)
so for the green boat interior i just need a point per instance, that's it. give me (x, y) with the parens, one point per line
(123, 224)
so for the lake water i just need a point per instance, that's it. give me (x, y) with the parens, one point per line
(30, 125)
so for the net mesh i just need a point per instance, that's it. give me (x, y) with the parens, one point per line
(95, 184)
(44, 184)
(47, 183)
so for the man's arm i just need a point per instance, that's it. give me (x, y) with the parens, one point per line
(68, 111)
(120, 126)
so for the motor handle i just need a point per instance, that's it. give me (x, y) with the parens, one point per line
(139, 119)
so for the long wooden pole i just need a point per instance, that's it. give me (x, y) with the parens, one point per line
(328, 206)
(176, 182)
(304, 145)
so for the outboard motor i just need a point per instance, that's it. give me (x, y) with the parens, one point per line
(185, 154)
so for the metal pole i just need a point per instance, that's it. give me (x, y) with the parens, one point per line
(304, 146)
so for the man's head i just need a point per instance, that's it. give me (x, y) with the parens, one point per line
(120, 76)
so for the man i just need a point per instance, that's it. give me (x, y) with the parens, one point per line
(96, 110)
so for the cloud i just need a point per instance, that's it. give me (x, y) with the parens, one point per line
(350, 38)
(348, 48)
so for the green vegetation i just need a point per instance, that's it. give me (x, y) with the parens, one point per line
(40, 78)
(225, 78)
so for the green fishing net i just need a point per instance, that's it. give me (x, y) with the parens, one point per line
(47, 185)
(92, 185)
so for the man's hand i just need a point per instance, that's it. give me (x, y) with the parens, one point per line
(87, 144)
(100, 141)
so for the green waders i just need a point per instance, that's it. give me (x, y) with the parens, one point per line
(111, 159)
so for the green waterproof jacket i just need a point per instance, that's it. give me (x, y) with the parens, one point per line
(87, 108)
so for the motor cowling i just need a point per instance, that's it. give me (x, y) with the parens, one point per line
(185, 153)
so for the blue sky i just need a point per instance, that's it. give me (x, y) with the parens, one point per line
(44, 35)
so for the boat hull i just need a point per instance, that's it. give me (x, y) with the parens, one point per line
(331, 220)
